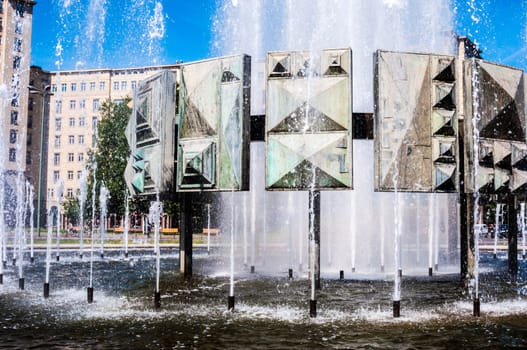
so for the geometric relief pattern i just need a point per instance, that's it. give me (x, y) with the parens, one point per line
(213, 142)
(416, 124)
(499, 104)
(308, 120)
(150, 133)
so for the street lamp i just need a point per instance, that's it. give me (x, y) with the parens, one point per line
(45, 93)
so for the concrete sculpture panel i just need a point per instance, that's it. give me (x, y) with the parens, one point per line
(150, 133)
(214, 122)
(495, 100)
(416, 124)
(308, 120)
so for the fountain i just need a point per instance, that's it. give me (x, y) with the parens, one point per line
(30, 196)
(92, 231)
(498, 221)
(82, 200)
(154, 215)
(48, 253)
(523, 229)
(103, 198)
(60, 190)
(267, 301)
(126, 224)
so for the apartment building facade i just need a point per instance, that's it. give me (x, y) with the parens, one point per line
(15, 51)
(74, 113)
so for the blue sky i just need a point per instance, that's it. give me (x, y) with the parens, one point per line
(499, 26)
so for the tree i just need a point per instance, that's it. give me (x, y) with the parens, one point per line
(72, 210)
(111, 154)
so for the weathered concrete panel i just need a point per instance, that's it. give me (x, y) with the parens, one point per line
(150, 133)
(415, 123)
(308, 121)
(214, 135)
(495, 105)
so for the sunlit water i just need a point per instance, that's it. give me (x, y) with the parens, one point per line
(270, 311)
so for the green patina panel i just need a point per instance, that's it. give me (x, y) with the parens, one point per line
(214, 112)
(308, 121)
(150, 134)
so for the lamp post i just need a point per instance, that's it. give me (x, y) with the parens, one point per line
(45, 93)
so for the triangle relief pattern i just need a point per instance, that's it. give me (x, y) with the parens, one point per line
(500, 106)
(213, 144)
(149, 133)
(308, 121)
(416, 123)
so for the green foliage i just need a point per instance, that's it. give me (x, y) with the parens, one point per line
(111, 155)
(72, 210)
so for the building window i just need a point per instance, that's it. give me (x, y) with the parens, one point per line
(17, 45)
(58, 106)
(64, 87)
(20, 8)
(102, 85)
(134, 84)
(92, 86)
(30, 103)
(56, 175)
(94, 123)
(82, 121)
(79, 174)
(96, 105)
(71, 157)
(123, 85)
(80, 157)
(116, 85)
(83, 86)
(82, 104)
(18, 27)
(71, 121)
(30, 122)
(56, 159)
(71, 139)
(12, 155)
(73, 104)
(14, 117)
(54, 88)
(14, 101)
(73, 86)
(28, 157)
(16, 62)
(81, 139)
(12, 136)
(29, 139)
(70, 174)
(69, 193)
(58, 124)
(51, 193)
(57, 141)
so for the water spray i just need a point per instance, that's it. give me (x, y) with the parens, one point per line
(60, 189)
(126, 223)
(230, 304)
(30, 197)
(94, 190)
(208, 228)
(103, 203)
(82, 200)
(48, 253)
(154, 215)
